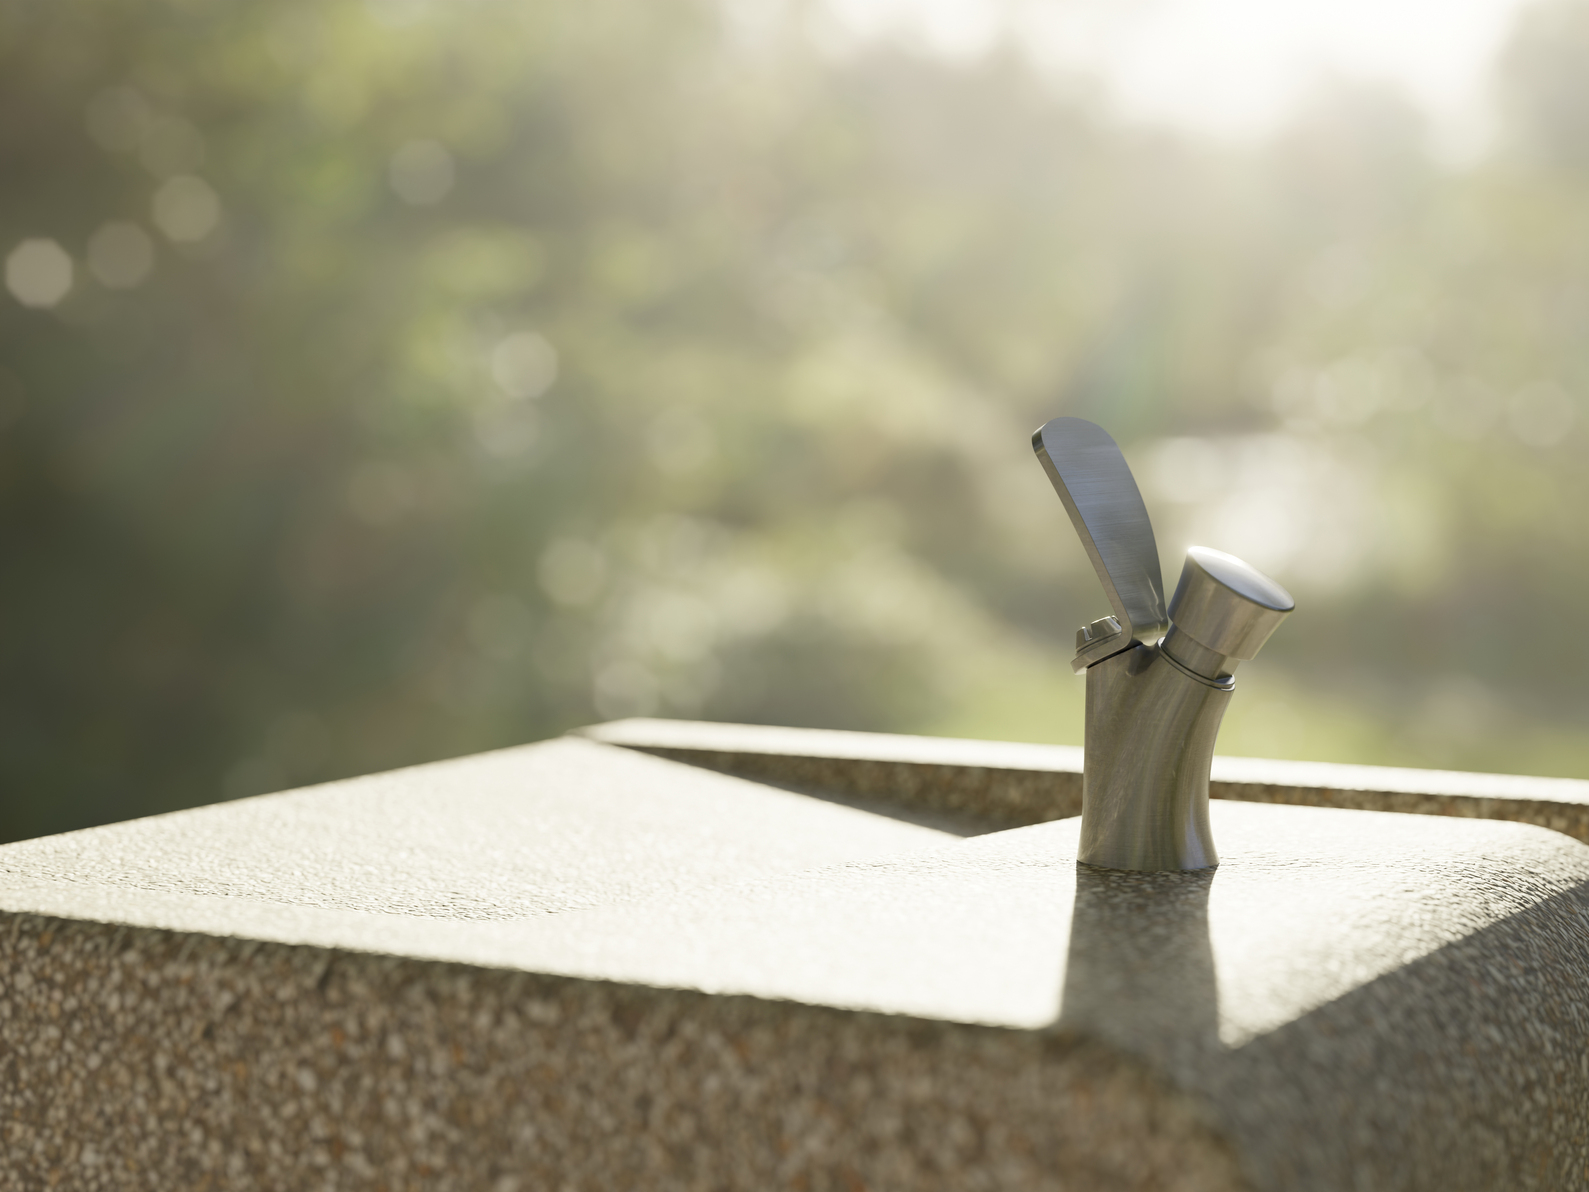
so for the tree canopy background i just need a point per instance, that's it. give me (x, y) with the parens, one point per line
(383, 381)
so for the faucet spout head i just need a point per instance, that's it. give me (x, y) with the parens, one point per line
(1226, 605)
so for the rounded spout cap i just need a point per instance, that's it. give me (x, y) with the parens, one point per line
(1227, 606)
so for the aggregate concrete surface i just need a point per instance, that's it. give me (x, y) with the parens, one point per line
(507, 972)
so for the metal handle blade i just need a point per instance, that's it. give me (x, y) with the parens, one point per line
(1095, 483)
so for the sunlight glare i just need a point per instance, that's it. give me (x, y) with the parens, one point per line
(1234, 68)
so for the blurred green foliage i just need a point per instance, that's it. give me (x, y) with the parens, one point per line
(432, 378)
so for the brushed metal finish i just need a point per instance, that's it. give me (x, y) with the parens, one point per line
(1226, 605)
(1153, 707)
(1095, 483)
(1151, 727)
(1196, 657)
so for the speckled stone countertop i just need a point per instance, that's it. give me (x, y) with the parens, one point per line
(575, 966)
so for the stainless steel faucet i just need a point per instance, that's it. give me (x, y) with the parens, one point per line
(1158, 679)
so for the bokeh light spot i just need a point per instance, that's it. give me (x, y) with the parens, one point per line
(187, 209)
(120, 255)
(524, 365)
(507, 432)
(421, 173)
(38, 273)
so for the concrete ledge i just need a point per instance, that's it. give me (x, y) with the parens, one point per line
(997, 784)
(573, 965)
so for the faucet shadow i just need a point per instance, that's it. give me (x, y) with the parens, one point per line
(1463, 1069)
(1140, 966)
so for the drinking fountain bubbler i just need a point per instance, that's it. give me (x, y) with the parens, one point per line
(1158, 680)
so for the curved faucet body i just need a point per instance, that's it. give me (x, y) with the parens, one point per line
(1151, 727)
(1154, 704)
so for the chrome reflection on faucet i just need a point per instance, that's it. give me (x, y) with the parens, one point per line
(1158, 679)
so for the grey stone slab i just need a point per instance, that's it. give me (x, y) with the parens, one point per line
(316, 990)
(543, 828)
(989, 784)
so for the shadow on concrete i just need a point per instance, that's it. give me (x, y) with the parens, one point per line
(1464, 1069)
(1140, 962)
(956, 823)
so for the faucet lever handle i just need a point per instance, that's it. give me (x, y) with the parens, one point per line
(1095, 483)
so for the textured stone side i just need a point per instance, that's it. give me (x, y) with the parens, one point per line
(136, 1059)
(1571, 819)
(1466, 1071)
(988, 798)
(985, 797)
